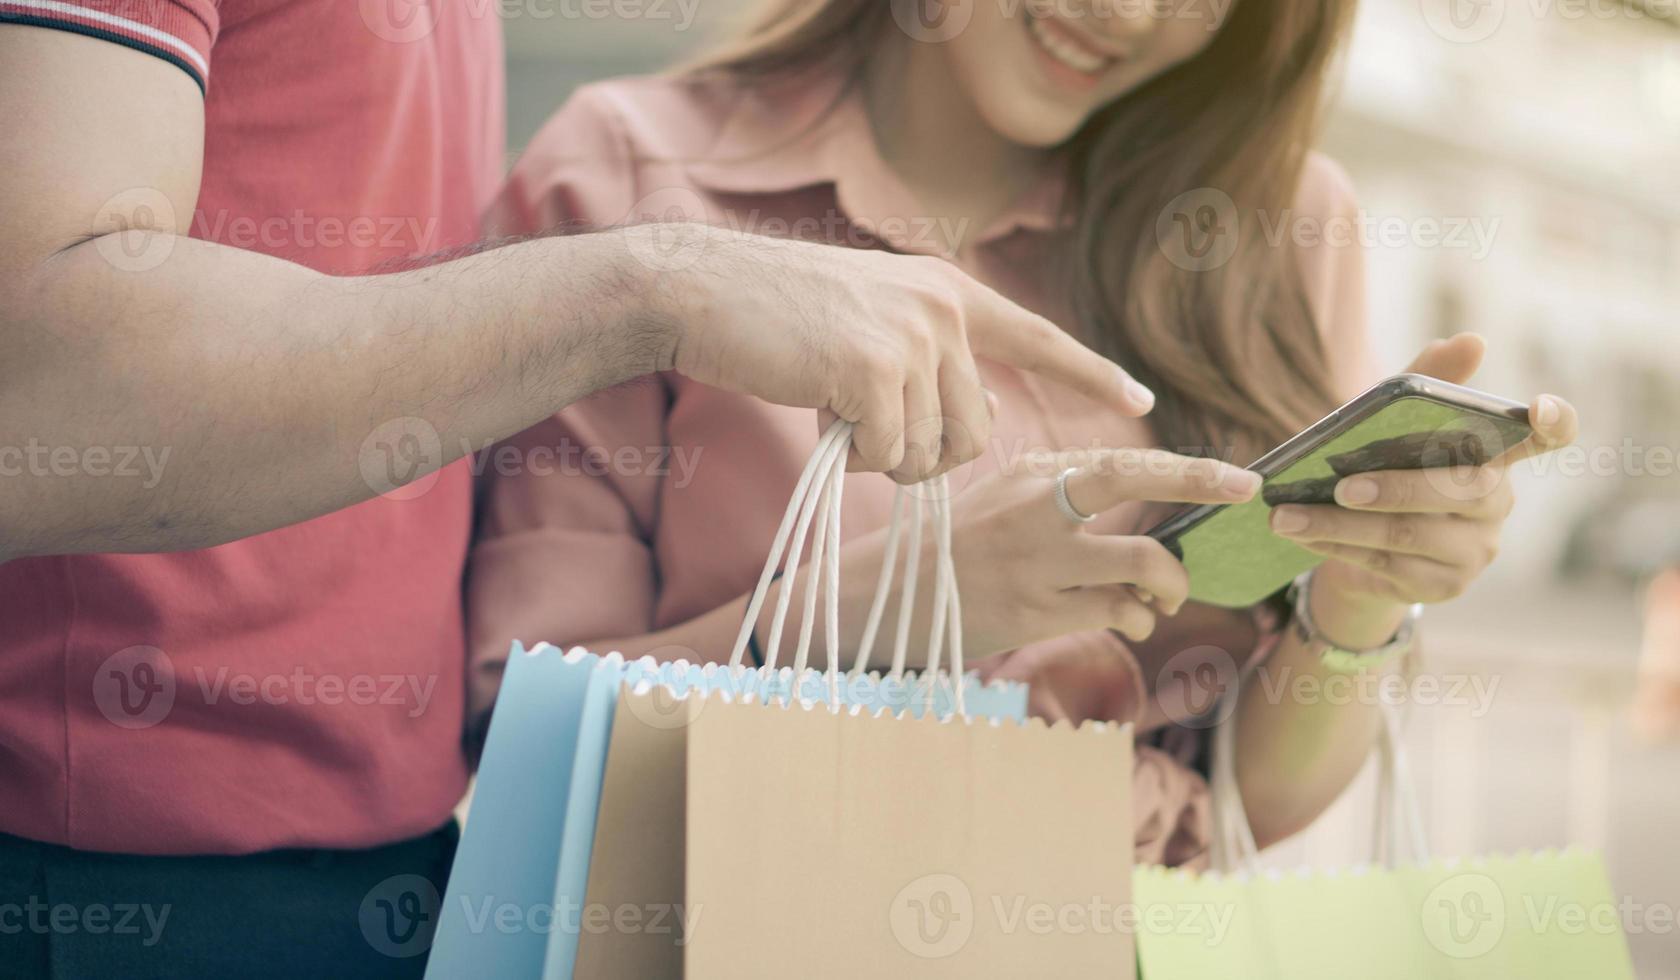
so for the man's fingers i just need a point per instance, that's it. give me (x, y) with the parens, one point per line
(1113, 476)
(1002, 331)
(1469, 491)
(1556, 425)
(878, 437)
(968, 415)
(1143, 562)
(924, 428)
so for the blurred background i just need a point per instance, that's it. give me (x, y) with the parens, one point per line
(1516, 163)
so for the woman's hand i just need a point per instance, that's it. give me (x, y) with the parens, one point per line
(1400, 537)
(1028, 572)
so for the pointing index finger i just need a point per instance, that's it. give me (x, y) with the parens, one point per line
(1004, 332)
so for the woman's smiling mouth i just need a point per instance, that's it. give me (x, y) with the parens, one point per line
(1067, 47)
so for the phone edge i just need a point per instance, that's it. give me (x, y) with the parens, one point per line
(1361, 407)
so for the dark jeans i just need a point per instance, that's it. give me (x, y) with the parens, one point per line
(290, 913)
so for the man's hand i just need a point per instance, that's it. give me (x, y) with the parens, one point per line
(266, 380)
(883, 340)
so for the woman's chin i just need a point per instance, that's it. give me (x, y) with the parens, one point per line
(1035, 125)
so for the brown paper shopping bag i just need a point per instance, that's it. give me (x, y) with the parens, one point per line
(781, 840)
(742, 838)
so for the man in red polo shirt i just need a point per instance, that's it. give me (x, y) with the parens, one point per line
(232, 523)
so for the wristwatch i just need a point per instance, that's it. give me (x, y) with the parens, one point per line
(1340, 659)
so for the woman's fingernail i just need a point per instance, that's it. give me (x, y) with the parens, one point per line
(1547, 411)
(991, 401)
(1357, 491)
(1240, 484)
(1140, 395)
(1289, 520)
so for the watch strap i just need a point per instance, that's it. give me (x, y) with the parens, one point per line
(1338, 658)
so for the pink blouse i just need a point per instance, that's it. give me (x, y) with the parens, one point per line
(655, 502)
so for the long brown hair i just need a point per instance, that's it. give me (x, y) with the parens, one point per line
(1231, 350)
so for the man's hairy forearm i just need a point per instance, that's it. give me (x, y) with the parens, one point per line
(251, 387)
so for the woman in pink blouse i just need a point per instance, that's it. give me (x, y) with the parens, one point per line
(1114, 169)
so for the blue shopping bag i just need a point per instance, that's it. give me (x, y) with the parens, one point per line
(507, 856)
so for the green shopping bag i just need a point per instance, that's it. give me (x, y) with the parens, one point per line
(1526, 917)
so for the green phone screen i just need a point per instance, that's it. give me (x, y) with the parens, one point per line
(1233, 557)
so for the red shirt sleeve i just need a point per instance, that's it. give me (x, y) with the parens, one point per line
(178, 31)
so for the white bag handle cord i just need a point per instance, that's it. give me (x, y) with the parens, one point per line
(883, 584)
(946, 607)
(790, 569)
(1398, 828)
(818, 495)
(756, 603)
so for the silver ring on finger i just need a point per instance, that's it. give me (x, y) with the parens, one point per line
(1063, 504)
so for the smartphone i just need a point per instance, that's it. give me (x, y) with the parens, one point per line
(1408, 422)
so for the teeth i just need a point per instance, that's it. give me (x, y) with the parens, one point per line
(1065, 51)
